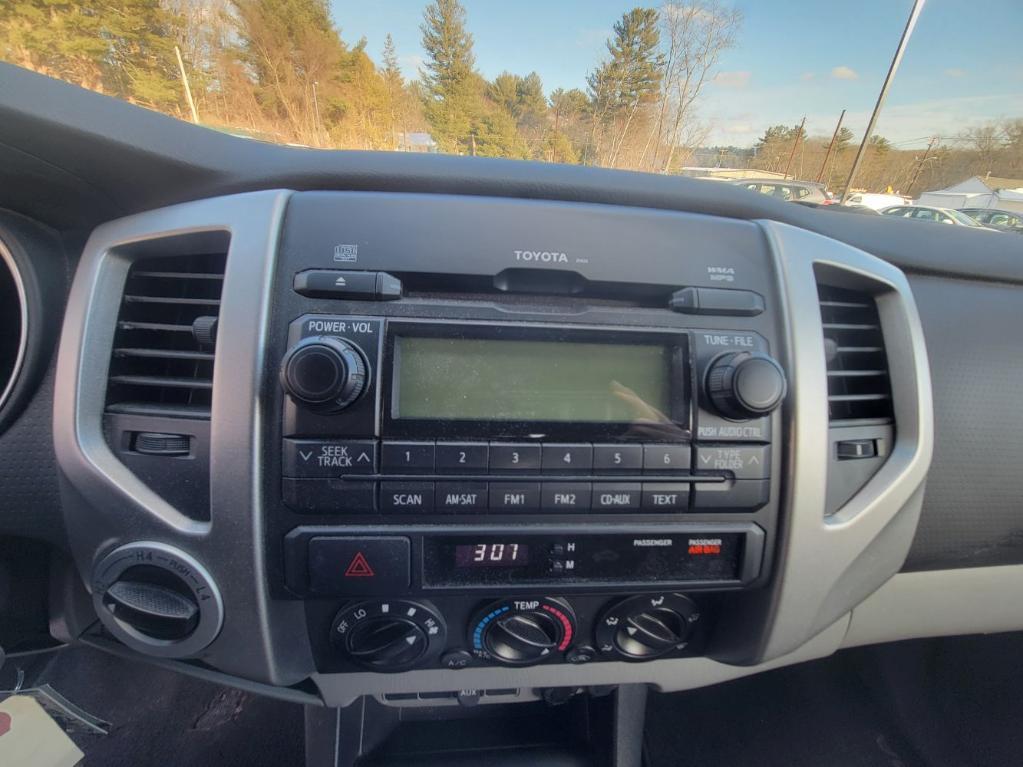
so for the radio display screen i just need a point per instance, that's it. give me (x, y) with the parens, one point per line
(524, 380)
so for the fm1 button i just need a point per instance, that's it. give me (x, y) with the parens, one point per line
(514, 496)
(359, 566)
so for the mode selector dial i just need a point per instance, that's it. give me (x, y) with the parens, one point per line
(324, 373)
(646, 627)
(521, 632)
(745, 384)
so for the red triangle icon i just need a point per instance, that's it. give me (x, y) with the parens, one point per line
(359, 567)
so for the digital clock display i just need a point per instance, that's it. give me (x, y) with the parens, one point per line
(491, 555)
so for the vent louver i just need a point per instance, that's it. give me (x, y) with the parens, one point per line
(162, 362)
(858, 385)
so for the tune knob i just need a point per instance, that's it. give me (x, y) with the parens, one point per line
(324, 373)
(521, 632)
(646, 627)
(392, 635)
(745, 384)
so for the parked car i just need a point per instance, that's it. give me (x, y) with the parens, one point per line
(858, 209)
(937, 215)
(874, 200)
(794, 191)
(1003, 220)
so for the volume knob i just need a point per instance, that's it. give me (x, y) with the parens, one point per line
(745, 385)
(324, 373)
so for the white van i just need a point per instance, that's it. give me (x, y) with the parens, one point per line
(874, 200)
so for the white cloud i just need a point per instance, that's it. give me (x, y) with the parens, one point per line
(955, 72)
(732, 79)
(410, 65)
(845, 73)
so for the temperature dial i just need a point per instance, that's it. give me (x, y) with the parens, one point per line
(392, 635)
(521, 632)
(645, 627)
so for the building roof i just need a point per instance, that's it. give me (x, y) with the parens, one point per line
(995, 183)
(417, 139)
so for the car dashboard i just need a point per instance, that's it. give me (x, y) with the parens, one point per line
(336, 425)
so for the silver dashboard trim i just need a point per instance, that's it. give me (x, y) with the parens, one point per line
(19, 359)
(106, 505)
(826, 566)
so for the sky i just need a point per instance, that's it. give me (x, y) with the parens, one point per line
(792, 58)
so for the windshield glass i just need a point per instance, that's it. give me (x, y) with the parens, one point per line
(715, 89)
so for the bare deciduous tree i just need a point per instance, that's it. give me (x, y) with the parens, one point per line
(694, 35)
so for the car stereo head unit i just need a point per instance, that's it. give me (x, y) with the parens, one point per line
(494, 381)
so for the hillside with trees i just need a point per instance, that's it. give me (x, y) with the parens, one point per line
(282, 70)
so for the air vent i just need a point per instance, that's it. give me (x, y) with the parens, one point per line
(162, 362)
(858, 386)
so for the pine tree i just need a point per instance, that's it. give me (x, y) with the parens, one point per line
(392, 71)
(125, 48)
(629, 79)
(452, 86)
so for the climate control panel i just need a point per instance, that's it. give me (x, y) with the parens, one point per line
(393, 635)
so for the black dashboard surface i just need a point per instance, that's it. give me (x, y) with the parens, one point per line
(72, 159)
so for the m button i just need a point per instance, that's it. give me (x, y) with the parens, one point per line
(359, 566)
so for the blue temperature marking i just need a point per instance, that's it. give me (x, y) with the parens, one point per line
(477, 634)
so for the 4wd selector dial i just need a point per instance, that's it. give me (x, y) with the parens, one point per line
(324, 373)
(645, 627)
(745, 384)
(521, 632)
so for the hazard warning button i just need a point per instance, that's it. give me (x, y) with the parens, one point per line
(359, 566)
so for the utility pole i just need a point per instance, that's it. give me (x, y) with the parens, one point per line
(920, 165)
(914, 15)
(188, 89)
(792, 154)
(316, 114)
(834, 138)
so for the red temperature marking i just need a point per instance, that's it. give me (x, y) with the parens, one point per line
(566, 624)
